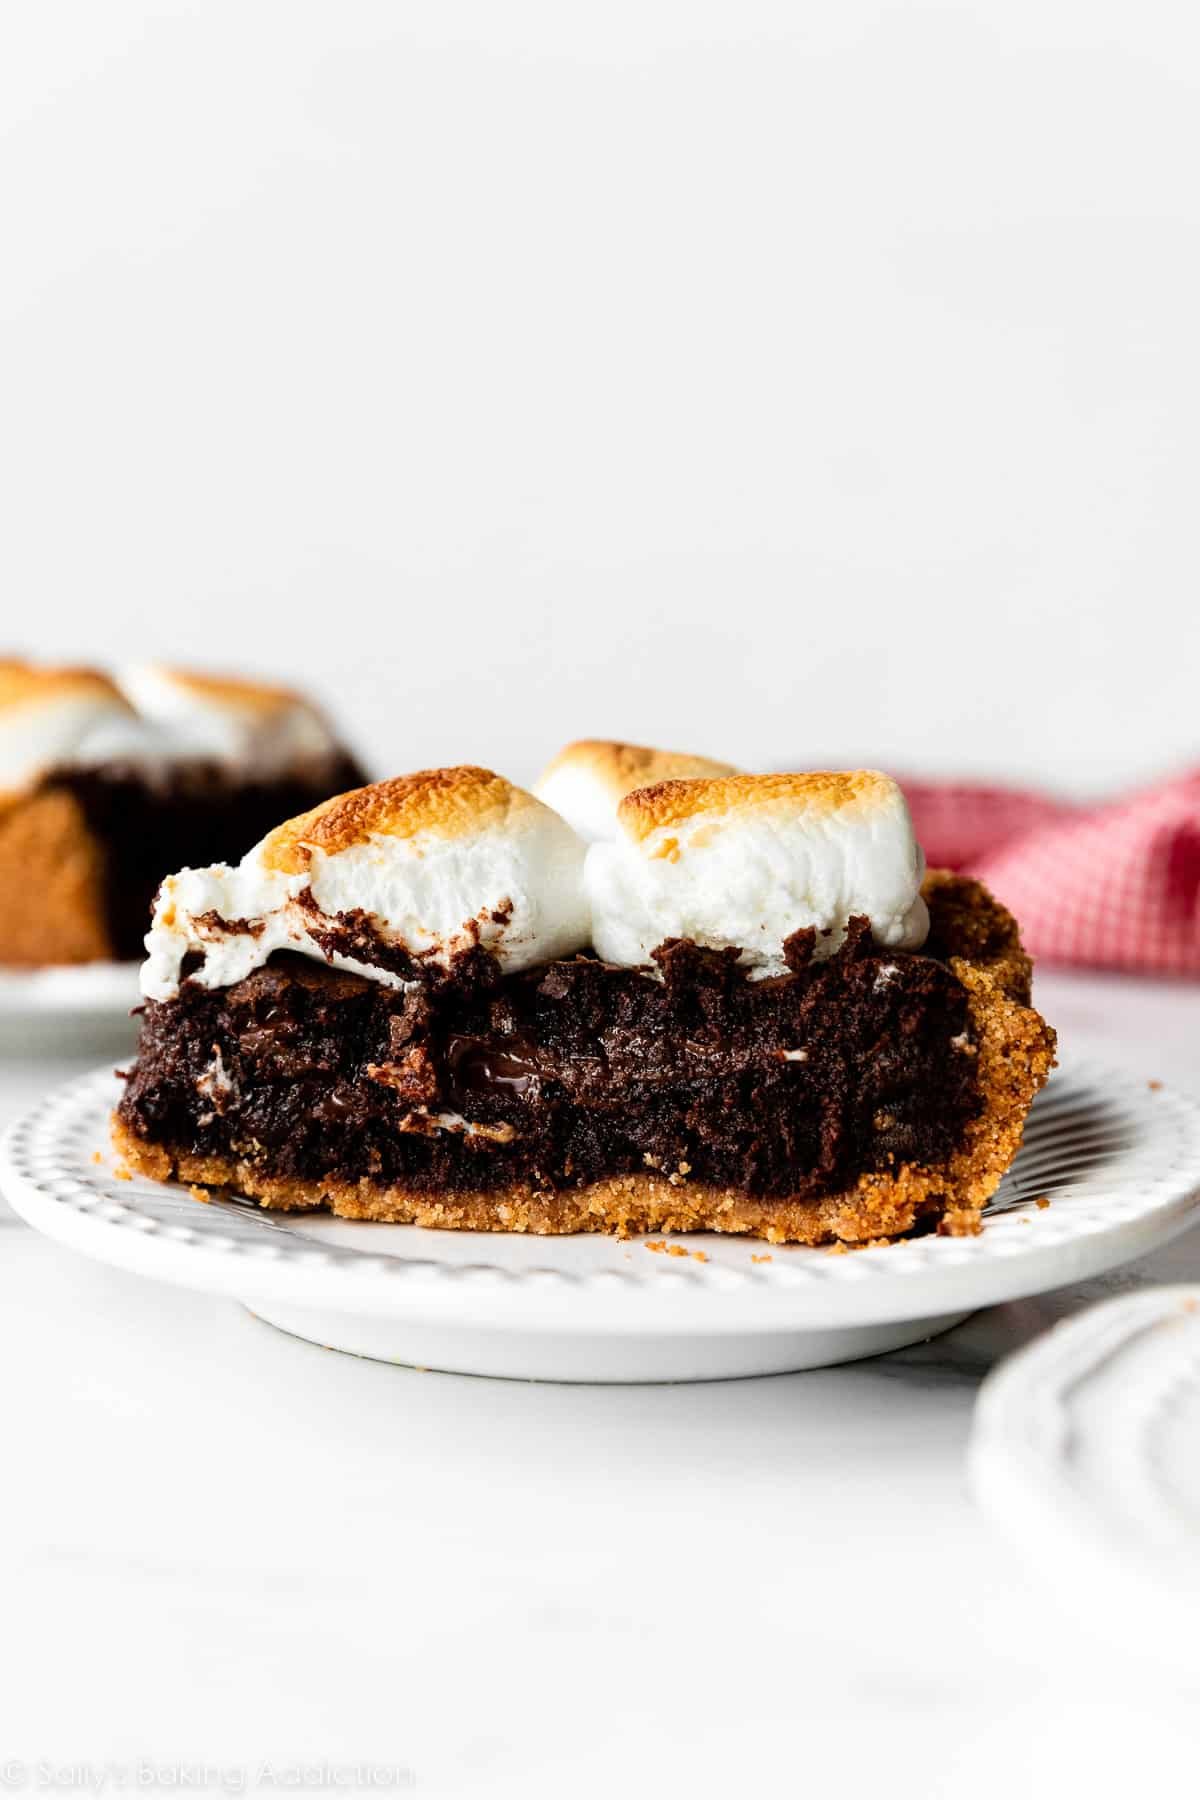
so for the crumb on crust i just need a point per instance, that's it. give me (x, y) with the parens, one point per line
(661, 1247)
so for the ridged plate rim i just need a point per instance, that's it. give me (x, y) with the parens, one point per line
(1077, 1448)
(1119, 1158)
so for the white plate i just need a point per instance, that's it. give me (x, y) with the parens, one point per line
(56, 1008)
(1086, 1453)
(1119, 1161)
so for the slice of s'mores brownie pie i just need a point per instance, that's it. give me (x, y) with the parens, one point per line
(749, 1010)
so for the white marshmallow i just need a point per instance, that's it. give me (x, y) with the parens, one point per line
(54, 718)
(435, 862)
(270, 731)
(748, 860)
(49, 717)
(588, 780)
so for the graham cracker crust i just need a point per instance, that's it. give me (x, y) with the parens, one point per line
(52, 871)
(1015, 1051)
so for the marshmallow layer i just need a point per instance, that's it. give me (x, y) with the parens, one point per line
(54, 716)
(269, 730)
(746, 860)
(588, 780)
(426, 865)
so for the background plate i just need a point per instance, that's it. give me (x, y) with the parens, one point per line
(1086, 1453)
(1117, 1158)
(54, 1009)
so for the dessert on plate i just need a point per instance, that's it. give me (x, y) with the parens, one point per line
(106, 788)
(749, 1010)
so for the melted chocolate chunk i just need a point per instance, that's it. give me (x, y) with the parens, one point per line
(479, 1065)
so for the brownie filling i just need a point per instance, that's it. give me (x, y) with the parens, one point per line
(184, 814)
(569, 1073)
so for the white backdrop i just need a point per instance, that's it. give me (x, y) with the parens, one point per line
(797, 383)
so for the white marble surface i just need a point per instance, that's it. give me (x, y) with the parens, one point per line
(223, 1548)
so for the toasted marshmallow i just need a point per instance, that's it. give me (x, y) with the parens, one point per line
(747, 860)
(267, 730)
(424, 866)
(587, 781)
(51, 717)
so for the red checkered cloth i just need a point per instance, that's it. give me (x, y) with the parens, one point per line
(1114, 886)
